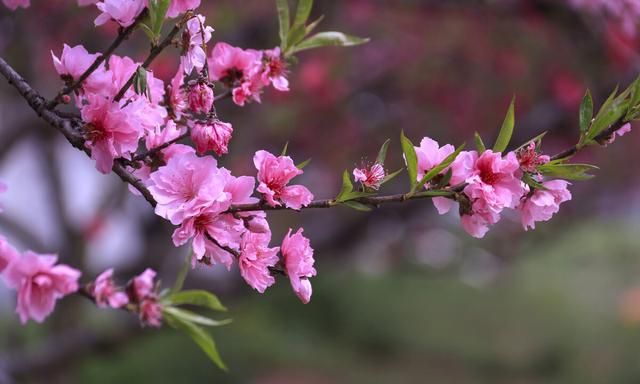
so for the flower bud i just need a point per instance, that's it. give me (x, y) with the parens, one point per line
(200, 98)
(211, 136)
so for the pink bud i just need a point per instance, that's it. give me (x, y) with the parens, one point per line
(213, 136)
(200, 98)
(66, 99)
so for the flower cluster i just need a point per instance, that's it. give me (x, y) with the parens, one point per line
(493, 182)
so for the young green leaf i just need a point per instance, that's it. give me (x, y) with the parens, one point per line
(283, 21)
(586, 112)
(537, 140)
(504, 137)
(302, 12)
(284, 150)
(479, 143)
(303, 164)
(410, 158)
(382, 154)
(193, 317)
(199, 336)
(357, 206)
(347, 186)
(312, 26)
(567, 171)
(324, 39)
(530, 181)
(198, 298)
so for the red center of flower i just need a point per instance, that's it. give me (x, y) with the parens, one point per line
(95, 132)
(487, 175)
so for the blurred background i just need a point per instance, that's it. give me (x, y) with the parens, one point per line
(402, 295)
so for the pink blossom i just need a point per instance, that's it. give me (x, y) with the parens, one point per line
(495, 180)
(151, 312)
(195, 36)
(461, 168)
(14, 4)
(430, 155)
(239, 69)
(530, 159)
(40, 282)
(177, 99)
(544, 203)
(200, 98)
(211, 136)
(255, 260)
(619, 133)
(162, 135)
(73, 61)
(186, 186)
(274, 173)
(7, 254)
(370, 177)
(298, 261)
(111, 131)
(124, 12)
(106, 293)
(143, 285)
(181, 6)
(275, 69)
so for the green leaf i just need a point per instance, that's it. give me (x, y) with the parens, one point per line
(634, 100)
(479, 143)
(504, 137)
(161, 8)
(357, 206)
(537, 140)
(390, 176)
(182, 273)
(140, 85)
(614, 112)
(435, 171)
(199, 336)
(586, 112)
(382, 154)
(198, 298)
(567, 171)
(302, 12)
(410, 158)
(303, 164)
(324, 39)
(192, 317)
(283, 21)
(347, 186)
(309, 28)
(284, 150)
(296, 35)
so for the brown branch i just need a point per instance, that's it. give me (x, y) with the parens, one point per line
(600, 138)
(153, 151)
(123, 34)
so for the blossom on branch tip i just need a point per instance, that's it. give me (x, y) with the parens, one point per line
(542, 204)
(298, 261)
(106, 293)
(530, 158)
(274, 173)
(40, 282)
(239, 70)
(255, 260)
(618, 133)
(195, 35)
(275, 69)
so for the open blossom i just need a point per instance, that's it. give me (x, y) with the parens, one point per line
(255, 260)
(187, 185)
(111, 131)
(274, 173)
(177, 99)
(530, 159)
(39, 282)
(14, 4)
(298, 261)
(211, 136)
(7, 254)
(430, 155)
(370, 177)
(106, 293)
(200, 98)
(74, 61)
(239, 69)
(181, 6)
(143, 285)
(275, 69)
(124, 12)
(544, 203)
(195, 36)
